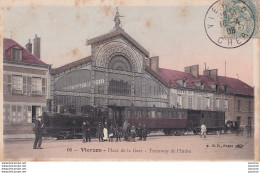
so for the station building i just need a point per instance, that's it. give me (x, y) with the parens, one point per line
(25, 86)
(120, 73)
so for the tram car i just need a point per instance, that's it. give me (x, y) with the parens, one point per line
(174, 121)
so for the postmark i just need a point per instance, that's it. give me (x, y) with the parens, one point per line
(229, 23)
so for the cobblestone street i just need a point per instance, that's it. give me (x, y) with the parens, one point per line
(157, 147)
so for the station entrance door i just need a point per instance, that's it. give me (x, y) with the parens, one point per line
(116, 115)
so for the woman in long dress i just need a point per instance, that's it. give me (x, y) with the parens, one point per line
(105, 134)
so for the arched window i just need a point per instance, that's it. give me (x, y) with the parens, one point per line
(119, 62)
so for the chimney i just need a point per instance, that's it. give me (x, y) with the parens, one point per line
(211, 73)
(28, 46)
(194, 70)
(37, 46)
(154, 63)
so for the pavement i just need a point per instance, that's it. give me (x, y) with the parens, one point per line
(19, 136)
(22, 137)
(157, 147)
(31, 136)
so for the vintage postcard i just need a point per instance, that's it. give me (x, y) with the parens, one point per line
(130, 81)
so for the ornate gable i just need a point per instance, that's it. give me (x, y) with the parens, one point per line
(118, 43)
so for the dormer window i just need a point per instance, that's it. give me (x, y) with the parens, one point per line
(182, 82)
(224, 88)
(199, 84)
(214, 86)
(16, 53)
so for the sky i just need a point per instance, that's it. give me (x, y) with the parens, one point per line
(174, 33)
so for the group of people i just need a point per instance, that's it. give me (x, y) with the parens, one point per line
(130, 132)
(105, 133)
(108, 134)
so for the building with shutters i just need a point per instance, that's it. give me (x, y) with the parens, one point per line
(25, 87)
(120, 73)
(190, 90)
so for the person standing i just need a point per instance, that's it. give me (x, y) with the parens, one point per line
(128, 132)
(84, 131)
(88, 132)
(125, 130)
(133, 133)
(38, 128)
(105, 132)
(144, 132)
(100, 132)
(111, 133)
(203, 130)
(139, 131)
(118, 133)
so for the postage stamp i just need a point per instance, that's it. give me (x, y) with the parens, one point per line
(239, 19)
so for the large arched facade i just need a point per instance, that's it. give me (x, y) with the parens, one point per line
(114, 77)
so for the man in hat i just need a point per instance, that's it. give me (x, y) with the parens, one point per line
(100, 132)
(139, 131)
(84, 131)
(133, 133)
(144, 132)
(37, 128)
(88, 132)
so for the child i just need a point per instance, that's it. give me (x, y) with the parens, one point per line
(118, 134)
(111, 134)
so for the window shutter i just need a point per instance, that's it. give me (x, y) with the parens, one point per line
(13, 113)
(190, 102)
(194, 102)
(24, 85)
(183, 101)
(9, 83)
(5, 83)
(24, 118)
(29, 85)
(211, 103)
(221, 104)
(29, 114)
(44, 82)
(203, 102)
(7, 114)
(214, 103)
(198, 102)
(19, 114)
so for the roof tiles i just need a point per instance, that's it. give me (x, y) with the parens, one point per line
(234, 86)
(27, 57)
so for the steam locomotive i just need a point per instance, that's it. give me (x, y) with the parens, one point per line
(172, 121)
(68, 125)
